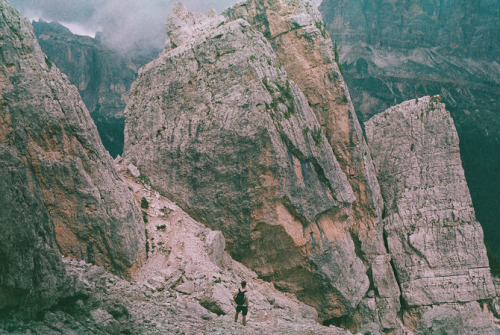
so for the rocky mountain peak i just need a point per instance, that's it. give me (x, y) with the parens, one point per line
(433, 236)
(184, 26)
(228, 125)
(243, 148)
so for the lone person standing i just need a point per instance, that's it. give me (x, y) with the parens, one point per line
(241, 300)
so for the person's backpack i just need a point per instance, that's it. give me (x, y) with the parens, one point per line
(240, 297)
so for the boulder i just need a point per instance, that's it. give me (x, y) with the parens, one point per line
(218, 300)
(215, 244)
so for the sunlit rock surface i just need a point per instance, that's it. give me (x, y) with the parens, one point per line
(433, 237)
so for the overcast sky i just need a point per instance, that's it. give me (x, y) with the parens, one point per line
(124, 23)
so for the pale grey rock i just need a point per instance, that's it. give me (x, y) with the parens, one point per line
(59, 188)
(186, 287)
(184, 26)
(133, 170)
(199, 311)
(495, 307)
(469, 318)
(387, 298)
(218, 300)
(216, 243)
(217, 126)
(297, 34)
(434, 240)
(106, 321)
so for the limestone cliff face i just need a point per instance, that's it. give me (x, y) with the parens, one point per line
(227, 125)
(59, 188)
(298, 36)
(101, 75)
(219, 127)
(245, 121)
(433, 237)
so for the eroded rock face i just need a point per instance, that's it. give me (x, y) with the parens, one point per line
(179, 288)
(451, 318)
(434, 240)
(220, 128)
(59, 188)
(246, 123)
(297, 34)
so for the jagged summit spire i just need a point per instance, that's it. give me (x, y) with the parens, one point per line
(212, 12)
(180, 10)
(183, 25)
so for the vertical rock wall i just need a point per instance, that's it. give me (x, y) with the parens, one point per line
(226, 124)
(246, 123)
(218, 126)
(434, 240)
(303, 47)
(59, 188)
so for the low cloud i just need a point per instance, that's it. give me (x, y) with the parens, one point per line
(125, 24)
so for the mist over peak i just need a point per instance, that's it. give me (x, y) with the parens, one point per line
(125, 24)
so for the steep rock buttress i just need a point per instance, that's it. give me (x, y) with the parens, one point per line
(59, 187)
(231, 129)
(434, 239)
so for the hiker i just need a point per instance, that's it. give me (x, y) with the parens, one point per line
(241, 300)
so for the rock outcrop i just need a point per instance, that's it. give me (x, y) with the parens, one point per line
(433, 237)
(103, 76)
(181, 288)
(59, 188)
(225, 124)
(216, 126)
(393, 51)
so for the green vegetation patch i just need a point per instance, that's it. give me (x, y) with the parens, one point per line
(316, 135)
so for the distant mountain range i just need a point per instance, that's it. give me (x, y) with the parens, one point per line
(103, 76)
